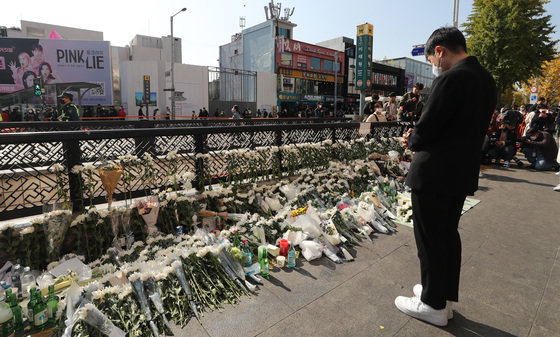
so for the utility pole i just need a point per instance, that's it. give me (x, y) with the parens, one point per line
(335, 79)
(456, 13)
(172, 66)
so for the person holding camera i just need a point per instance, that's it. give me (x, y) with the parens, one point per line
(540, 149)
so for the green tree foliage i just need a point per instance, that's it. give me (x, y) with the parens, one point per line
(511, 38)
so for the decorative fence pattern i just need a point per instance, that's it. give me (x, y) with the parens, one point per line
(26, 183)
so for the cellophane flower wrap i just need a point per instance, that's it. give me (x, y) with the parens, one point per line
(148, 208)
(110, 176)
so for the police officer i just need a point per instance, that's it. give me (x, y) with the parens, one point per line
(69, 111)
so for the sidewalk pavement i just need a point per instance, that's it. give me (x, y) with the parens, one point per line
(510, 279)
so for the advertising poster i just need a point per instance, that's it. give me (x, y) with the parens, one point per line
(56, 61)
(139, 98)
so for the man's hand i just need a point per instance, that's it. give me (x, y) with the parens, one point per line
(404, 139)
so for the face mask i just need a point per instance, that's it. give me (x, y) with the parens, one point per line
(437, 70)
(379, 110)
(533, 138)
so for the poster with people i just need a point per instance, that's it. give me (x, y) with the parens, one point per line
(56, 61)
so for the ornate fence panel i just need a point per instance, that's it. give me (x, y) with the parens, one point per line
(26, 182)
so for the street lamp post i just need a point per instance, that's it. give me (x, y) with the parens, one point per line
(172, 65)
(335, 79)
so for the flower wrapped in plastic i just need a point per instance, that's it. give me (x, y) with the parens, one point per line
(178, 267)
(154, 293)
(148, 208)
(138, 286)
(110, 174)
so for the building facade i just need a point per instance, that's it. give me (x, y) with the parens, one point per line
(415, 71)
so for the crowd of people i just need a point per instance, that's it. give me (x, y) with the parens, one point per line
(528, 130)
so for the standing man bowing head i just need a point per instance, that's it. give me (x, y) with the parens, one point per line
(447, 141)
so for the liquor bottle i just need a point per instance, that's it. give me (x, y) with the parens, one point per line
(292, 256)
(40, 318)
(219, 223)
(31, 304)
(248, 255)
(16, 311)
(27, 282)
(52, 304)
(16, 281)
(263, 260)
(6, 319)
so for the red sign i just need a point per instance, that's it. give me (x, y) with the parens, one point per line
(534, 89)
(304, 56)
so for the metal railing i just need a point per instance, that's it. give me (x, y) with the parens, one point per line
(26, 182)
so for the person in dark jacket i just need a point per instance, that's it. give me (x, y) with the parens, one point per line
(541, 150)
(445, 169)
(411, 104)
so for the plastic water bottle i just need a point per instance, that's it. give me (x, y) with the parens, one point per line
(248, 255)
(27, 282)
(16, 281)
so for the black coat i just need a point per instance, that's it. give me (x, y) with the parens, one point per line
(448, 137)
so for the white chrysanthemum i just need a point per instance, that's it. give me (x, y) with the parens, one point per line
(56, 168)
(27, 230)
(171, 155)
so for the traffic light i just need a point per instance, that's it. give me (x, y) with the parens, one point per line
(38, 85)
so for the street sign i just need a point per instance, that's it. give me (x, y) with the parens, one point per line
(418, 51)
(533, 99)
(146, 89)
(534, 89)
(364, 52)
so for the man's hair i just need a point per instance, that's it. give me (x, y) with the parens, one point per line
(393, 94)
(448, 37)
(419, 86)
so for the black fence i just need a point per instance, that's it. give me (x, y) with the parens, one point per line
(26, 158)
(159, 123)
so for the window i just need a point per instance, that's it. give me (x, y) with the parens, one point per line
(285, 32)
(315, 63)
(302, 65)
(328, 65)
(338, 67)
(286, 59)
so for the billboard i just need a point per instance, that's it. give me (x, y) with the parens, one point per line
(364, 48)
(292, 54)
(140, 101)
(56, 61)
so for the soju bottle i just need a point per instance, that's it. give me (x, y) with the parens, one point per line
(292, 256)
(52, 305)
(17, 313)
(248, 255)
(31, 304)
(6, 319)
(40, 318)
(263, 261)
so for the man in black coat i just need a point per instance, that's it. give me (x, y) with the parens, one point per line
(447, 140)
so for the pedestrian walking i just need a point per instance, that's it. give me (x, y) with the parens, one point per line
(447, 140)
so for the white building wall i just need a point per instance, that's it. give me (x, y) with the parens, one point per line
(132, 81)
(193, 82)
(40, 30)
(266, 91)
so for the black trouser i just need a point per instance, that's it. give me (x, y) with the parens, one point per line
(436, 220)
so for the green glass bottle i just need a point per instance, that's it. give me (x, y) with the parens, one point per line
(31, 304)
(52, 304)
(40, 318)
(6, 319)
(16, 311)
(263, 261)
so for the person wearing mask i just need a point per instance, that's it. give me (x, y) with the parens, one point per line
(411, 104)
(541, 104)
(447, 141)
(318, 112)
(69, 111)
(235, 112)
(391, 108)
(378, 115)
(540, 149)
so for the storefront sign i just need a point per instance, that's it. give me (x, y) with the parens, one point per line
(56, 61)
(286, 96)
(308, 75)
(302, 54)
(313, 98)
(364, 51)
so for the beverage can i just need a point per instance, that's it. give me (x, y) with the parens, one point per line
(179, 230)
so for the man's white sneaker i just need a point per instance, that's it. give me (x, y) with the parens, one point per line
(506, 163)
(413, 306)
(557, 188)
(417, 290)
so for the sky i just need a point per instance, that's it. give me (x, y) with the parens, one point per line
(207, 24)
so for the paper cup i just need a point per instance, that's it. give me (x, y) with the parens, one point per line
(280, 260)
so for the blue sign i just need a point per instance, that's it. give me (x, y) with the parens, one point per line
(418, 51)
